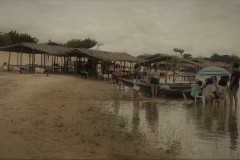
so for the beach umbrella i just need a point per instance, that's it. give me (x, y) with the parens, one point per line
(213, 71)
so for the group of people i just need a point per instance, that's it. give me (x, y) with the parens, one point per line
(117, 71)
(153, 77)
(213, 89)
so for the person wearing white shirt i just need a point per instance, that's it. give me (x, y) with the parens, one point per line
(209, 90)
(99, 70)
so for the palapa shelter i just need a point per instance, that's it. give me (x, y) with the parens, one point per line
(165, 57)
(82, 56)
(91, 57)
(173, 62)
(32, 49)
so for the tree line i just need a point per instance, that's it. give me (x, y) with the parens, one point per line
(13, 37)
(229, 59)
(223, 58)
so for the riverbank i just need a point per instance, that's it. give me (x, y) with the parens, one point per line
(59, 117)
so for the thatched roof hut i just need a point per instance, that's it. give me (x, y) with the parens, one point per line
(54, 50)
(164, 57)
(104, 55)
(67, 53)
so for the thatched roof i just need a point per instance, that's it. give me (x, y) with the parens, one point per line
(163, 57)
(105, 55)
(32, 48)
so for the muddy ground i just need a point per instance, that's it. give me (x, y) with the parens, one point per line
(60, 117)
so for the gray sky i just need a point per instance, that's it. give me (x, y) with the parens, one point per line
(200, 27)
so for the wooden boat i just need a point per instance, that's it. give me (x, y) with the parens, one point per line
(168, 90)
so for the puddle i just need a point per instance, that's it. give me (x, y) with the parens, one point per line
(194, 131)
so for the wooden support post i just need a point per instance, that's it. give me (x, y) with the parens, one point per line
(54, 62)
(21, 59)
(166, 70)
(75, 65)
(29, 62)
(64, 63)
(70, 63)
(33, 61)
(41, 60)
(124, 70)
(44, 60)
(174, 68)
(9, 59)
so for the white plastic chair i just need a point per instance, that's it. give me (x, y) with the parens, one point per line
(199, 95)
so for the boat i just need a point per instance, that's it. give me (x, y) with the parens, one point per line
(168, 90)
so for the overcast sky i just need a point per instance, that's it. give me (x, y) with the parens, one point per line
(200, 27)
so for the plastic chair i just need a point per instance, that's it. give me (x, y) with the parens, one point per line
(199, 95)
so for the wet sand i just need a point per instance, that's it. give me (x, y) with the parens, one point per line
(59, 117)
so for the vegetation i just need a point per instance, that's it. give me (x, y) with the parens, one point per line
(13, 37)
(4, 39)
(223, 58)
(214, 58)
(78, 43)
(187, 56)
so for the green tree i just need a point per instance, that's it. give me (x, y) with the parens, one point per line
(13, 37)
(21, 37)
(234, 58)
(78, 43)
(215, 58)
(187, 56)
(4, 39)
(223, 58)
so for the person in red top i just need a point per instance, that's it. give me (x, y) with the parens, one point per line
(234, 83)
(117, 72)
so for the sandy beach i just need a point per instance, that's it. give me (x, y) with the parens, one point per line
(59, 117)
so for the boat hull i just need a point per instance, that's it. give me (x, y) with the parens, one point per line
(168, 90)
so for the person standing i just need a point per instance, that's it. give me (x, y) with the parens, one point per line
(99, 70)
(136, 79)
(117, 72)
(136, 74)
(234, 83)
(154, 80)
(48, 65)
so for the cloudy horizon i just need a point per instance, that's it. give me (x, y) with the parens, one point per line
(199, 27)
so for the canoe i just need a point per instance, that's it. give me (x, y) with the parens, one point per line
(168, 90)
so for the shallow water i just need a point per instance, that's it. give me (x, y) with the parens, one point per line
(191, 130)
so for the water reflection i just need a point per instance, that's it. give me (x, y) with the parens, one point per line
(151, 115)
(116, 102)
(233, 128)
(135, 116)
(222, 118)
(197, 130)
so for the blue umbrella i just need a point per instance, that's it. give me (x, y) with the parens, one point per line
(213, 71)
